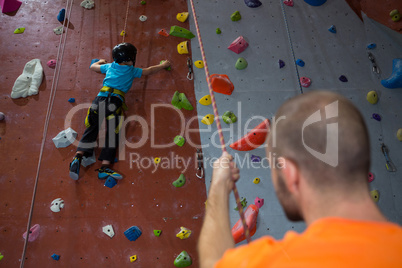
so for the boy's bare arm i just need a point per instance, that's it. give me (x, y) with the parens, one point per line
(155, 68)
(96, 66)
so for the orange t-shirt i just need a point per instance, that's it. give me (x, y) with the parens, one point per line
(329, 242)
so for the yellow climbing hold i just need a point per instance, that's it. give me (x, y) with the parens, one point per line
(399, 134)
(375, 195)
(199, 64)
(208, 119)
(206, 100)
(133, 258)
(157, 160)
(19, 30)
(182, 16)
(184, 233)
(256, 181)
(182, 48)
(123, 33)
(372, 97)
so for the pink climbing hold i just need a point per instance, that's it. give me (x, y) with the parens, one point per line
(238, 45)
(51, 63)
(33, 233)
(8, 6)
(259, 202)
(370, 177)
(289, 3)
(305, 81)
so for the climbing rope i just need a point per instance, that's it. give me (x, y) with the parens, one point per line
(125, 21)
(55, 81)
(218, 122)
(291, 45)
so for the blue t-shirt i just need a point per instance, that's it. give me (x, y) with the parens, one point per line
(119, 77)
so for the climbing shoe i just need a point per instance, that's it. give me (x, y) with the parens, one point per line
(75, 168)
(105, 172)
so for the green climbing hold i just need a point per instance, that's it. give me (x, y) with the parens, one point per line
(157, 232)
(243, 203)
(241, 64)
(1, 256)
(143, 2)
(180, 181)
(180, 100)
(218, 31)
(183, 260)
(179, 140)
(229, 117)
(168, 68)
(181, 32)
(235, 16)
(19, 30)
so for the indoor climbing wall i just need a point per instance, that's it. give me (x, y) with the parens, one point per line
(145, 197)
(332, 42)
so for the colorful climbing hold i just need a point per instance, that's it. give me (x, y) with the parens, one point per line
(398, 134)
(143, 2)
(182, 17)
(55, 257)
(10, 6)
(253, 139)
(300, 62)
(123, 33)
(238, 45)
(108, 230)
(110, 182)
(183, 260)
(19, 30)
(182, 48)
(208, 119)
(133, 258)
(281, 64)
(370, 177)
(315, 2)
(1, 256)
(371, 46)
(332, 29)
(61, 15)
(395, 15)
(229, 117)
(51, 63)
(218, 31)
(181, 32)
(376, 117)
(179, 140)
(199, 64)
(305, 81)
(241, 64)
(343, 78)
(206, 100)
(255, 158)
(221, 84)
(163, 32)
(289, 3)
(395, 80)
(235, 16)
(157, 233)
(179, 100)
(252, 3)
(243, 202)
(251, 214)
(143, 18)
(71, 100)
(184, 233)
(33, 233)
(157, 160)
(58, 30)
(87, 4)
(375, 195)
(57, 205)
(372, 97)
(133, 233)
(180, 181)
(256, 180)
(259, 202)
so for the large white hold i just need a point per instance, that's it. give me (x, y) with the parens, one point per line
(27, 84)
(57, 205)
(65, 138)
(108, 230)
(88, 4)
(86, 161)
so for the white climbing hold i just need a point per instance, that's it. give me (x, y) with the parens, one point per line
(108, 230)
(58, 30)
(57, 205)
(2, 116)
(143, 18)
(27, 84)
(86, 161)
(65, 138)
(88, 4)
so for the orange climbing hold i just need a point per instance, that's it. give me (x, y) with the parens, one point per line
(163, 32)
(250, 214)
(253, 139)
(221, 84)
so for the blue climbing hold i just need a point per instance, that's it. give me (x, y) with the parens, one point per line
(376, 117)
(62, 15)
(116, 160)
(55, 257)
(315, 3)
(343, 78)
(110, 182)
(133, 233)
(93, 61)
(371, 46)
(395, 80)
(332, 29)
(252, 3)
(71, 100)
(281, 64)
(300, 63)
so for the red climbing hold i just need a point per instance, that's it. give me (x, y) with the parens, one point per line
(221, 84)
(238, 45)
(163, 32)
(253, 139)
(250, 214)
(8, 6)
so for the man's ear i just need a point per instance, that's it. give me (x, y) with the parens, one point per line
(291, 175)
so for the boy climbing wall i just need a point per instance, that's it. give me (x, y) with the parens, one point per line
(110, 104)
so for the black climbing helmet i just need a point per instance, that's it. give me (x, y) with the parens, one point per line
(124, 52)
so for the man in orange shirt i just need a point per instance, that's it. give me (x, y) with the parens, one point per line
(329, 191)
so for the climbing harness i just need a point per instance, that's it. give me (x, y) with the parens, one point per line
(190, 74)
(218, 122)
(200, 169)
(375, 67)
